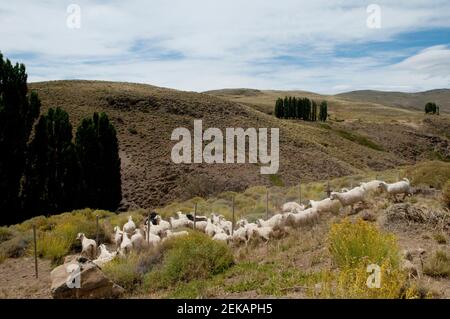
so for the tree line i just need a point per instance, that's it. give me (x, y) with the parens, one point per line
(431, 108)
(43, 169)
(301, 108)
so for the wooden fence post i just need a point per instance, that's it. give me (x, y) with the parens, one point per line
(232, 207)
(148, 228)
(300, 191)
(35, 252)
(328, 189)
(195, 216)
(267, 204)
(96, 236)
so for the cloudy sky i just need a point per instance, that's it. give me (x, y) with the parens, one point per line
(320, 46)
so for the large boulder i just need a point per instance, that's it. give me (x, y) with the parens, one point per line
(80, 278)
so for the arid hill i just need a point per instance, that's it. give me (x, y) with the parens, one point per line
(359, 137)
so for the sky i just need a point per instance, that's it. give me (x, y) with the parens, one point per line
(197, 45)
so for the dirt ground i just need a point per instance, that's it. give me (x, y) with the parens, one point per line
(17, 279)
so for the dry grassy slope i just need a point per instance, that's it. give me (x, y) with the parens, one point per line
(415, 101)
(145, 117)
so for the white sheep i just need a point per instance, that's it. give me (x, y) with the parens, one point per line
(290, 207)
(180, 222)
(129, 226)
(221, 237)
(240, 235)
(402, 187)
(88, 246)
(171, 234)
(201, 225)
(163, 224)
(117, 236)
(126, 245)
(276, 220)
(301, 218)
(264, 232)
(326, 205)
(350, 198)
(210, 228)
(104, 257)
(371, 186)
(137, 240)
(151, 239)
(225, 225)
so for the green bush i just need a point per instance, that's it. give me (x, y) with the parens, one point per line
(15, 247)
(353, 244)
(5, 234)
(189, 258)
(446, 194)
(438, 265)
(434, 174)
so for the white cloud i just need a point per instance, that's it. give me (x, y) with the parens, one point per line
(204, 44)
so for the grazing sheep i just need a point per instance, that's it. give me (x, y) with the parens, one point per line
(221, 237)
(349, 198)
(130, 226)
(151, 239)
(402, 187)
(104, 257)
(301, 218)
(170, 234)
(180, 215)
(180, 222)
(214, 219)
(240, 235)
(274, 221)
(117, 236)
(163, 224)
(372, 186)
(264, 232)
(201, 225)
(88, 246)
(212, 229)
(137, 240)
(290, 207)
(126, 245)
(197, 218)
(241, 223)
(225, 225)
(326, 205)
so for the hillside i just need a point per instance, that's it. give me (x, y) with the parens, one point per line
(415, 101)
(145, 117)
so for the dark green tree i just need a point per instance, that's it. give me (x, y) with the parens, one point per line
(18, 111)
(98, 151)
(279, 108)
(323, 113)
(430, 107)
(52, 177)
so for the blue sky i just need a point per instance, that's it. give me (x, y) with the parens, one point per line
(321, 46)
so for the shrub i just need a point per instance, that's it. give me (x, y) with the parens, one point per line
(440, 238)
(5, 234)
(359, 139)
(434, 174)
(185, 259)
(15, 247)
(446, 194)
(438, 265)
(358, 243)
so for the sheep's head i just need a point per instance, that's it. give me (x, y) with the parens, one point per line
(116, 229)
(80, 236)
(130, 218)
(382, 186)
(333, 195)
(259, 222)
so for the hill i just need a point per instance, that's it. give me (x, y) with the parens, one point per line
(358, 138)
(415, 101)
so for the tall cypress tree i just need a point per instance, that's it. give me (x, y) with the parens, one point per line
(279, 108)
(97, 148)
(18, 111)
(323, 111)
(52, 175)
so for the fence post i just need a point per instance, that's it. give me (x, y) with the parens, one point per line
(35, 252)
(148, 228)
(300, 191)
(96, 223)
(328, 189)
(232, 207)
(267, 204)
(195, 216)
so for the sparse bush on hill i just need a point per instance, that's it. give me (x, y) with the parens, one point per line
(431, 108)
(185, 259)
(438, 265)
(433, 174)
(446, 194)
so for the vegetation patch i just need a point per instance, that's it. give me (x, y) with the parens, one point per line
(359, 139)
(433, 174)
(438, 265)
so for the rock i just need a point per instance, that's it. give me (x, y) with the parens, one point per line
(368, 216)
(91, 281)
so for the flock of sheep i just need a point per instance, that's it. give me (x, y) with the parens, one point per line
(218, 228)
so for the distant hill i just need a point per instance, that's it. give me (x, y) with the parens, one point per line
(414, 101)
(145, 117)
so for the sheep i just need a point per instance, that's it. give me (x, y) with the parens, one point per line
(240, 235)
(180, 215)
(126, 245)
(226, 225)
(326, 205)
(180, 222)
(137, 240)
(349, 198)
(151, 239)
(221, 237)
(104, 257)
(117, 236)
(402, 187)
(197, 218)
(274, 221)
(214, 219)
(163, 224)
(241, 223)
(372, 186)
(291, 207)
(212, 229)
(170, 234)
(264, 232)
(130, 226)
(302, 217)
(201, 225)
(155, 229)
(88, 246)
